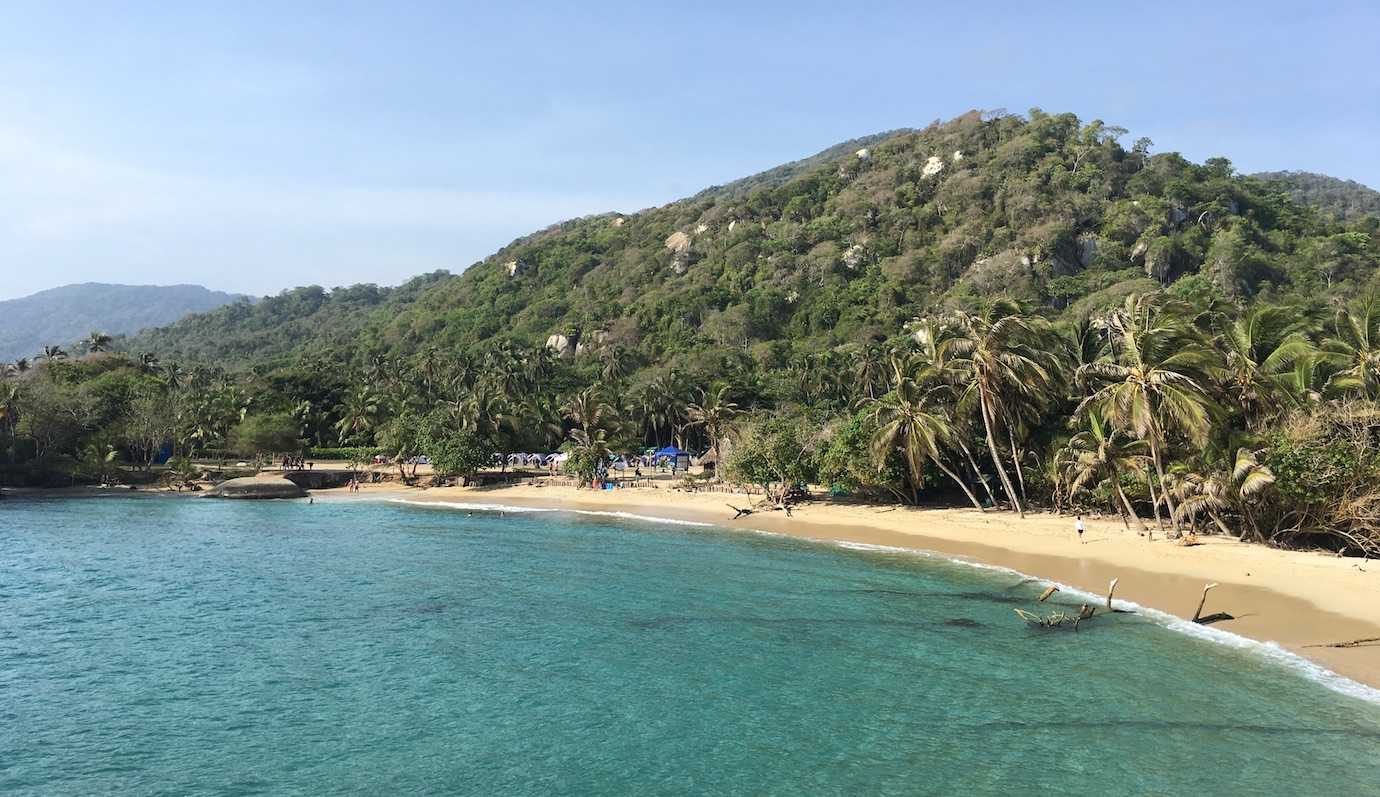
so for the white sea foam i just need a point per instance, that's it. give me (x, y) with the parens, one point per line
(1269, 650)
(489, 507)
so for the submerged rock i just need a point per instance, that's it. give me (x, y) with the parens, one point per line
(257, 487)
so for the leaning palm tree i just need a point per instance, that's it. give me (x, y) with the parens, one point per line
(1237, 490)
(713, 413)
(1099, 455)
(1002, 357)
(928, 364)
(97, 341)
(1155, 386)
(907, 422)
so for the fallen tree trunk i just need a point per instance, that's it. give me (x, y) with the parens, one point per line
(1355, 643)
(1211, 618)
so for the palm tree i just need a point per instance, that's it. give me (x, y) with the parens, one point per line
(148, 361)
(359, 415)
(1154, 387)
(53, 353)
(21, 365)
(660, 405)
(542, 414)
(1236, 490)
(97, 341)
(9, 407)
(588, 450)
(1002, 358)
(713, 413)
(1098, 455)
(928, 364)
(587, 409)
(907, 423)
(1355, 351)
(1260, 349)
(870, 371)
(615, 362)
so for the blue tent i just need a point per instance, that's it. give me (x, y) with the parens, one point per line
(679, 460)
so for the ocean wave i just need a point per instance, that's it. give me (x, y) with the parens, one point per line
(1269, 650)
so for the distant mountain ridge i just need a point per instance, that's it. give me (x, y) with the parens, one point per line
(61, 316)
(1345, 199)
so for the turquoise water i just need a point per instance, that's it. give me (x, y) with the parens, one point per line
(187, 646)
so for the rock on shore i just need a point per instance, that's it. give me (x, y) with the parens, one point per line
(257, 487)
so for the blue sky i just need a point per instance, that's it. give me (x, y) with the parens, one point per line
(283, 144)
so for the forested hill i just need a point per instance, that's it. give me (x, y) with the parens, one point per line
(1063, 216)
(1347, 199)
(62, 316)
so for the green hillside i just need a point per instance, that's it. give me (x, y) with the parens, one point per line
(841, 248)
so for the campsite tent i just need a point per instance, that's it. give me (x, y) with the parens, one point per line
(673, 456)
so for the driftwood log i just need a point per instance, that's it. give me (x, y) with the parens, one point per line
(1061, 618)
(1211, 618)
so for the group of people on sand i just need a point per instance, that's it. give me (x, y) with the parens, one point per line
(353, 486)
(290, 462)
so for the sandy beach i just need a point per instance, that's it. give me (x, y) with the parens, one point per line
(1297, 600)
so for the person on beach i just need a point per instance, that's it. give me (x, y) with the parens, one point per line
(1078, 527)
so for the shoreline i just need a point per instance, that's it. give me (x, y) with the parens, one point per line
(1290, 599)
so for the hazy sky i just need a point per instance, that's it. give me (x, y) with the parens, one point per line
(257, 146)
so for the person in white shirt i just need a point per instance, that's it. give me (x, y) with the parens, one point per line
(1078, 527)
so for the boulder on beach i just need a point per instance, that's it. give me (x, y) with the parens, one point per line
(257, 487)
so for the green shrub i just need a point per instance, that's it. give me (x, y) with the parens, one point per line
(348, 453)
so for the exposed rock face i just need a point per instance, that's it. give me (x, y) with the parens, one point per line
(863, 154)
(732, 224)
(1006, 272)
(1087, 250)
(1139, 250)
(561, 345)
(678, 242)
(933, 166)
(515, 267)
(1177, 216)
(257, 487)
(591, 341)
(958, 155)
(701, 228)
(619, 222)
(853, 257)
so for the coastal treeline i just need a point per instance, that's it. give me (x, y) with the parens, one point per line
(1177, 417)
